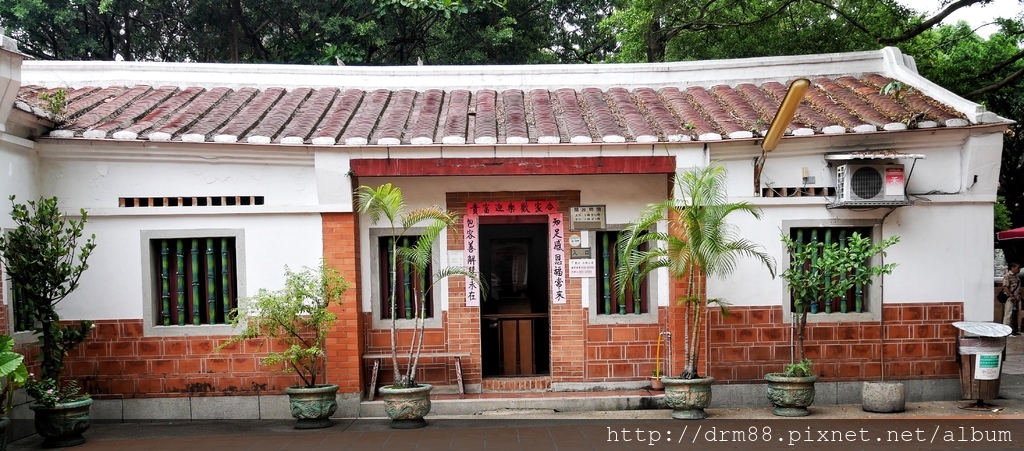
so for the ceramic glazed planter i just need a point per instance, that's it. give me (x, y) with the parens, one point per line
(313, 407)
(63, 424)
(407, 406)
(790, 395)
(688, 397)
(4, 424)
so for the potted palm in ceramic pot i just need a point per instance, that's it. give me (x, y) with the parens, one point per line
(699, 244)
(407, 401)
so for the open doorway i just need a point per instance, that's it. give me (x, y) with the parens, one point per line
(515, 316)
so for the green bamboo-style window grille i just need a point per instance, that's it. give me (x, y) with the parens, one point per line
(407, 283)
(22, 310)
(608, 304)
(198, 282)
(854, 299)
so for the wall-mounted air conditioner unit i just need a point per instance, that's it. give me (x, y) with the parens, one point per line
(870, 184)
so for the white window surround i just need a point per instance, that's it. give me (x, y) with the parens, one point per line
(873, 295)
(149, 277)
(375, 292)
(651, 317)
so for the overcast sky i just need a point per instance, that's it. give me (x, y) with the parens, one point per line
(975, 15)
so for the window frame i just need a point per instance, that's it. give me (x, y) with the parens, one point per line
(7, 290)
(873, 293)
(20, 336)
(149, 279)
(10, 300)
(589, 239)
(375, 235)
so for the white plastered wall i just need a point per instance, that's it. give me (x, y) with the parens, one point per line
(945, 252)
(18, 177)
(112, 287)
(287, 230)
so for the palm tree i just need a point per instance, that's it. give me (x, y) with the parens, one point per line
(415, 254)
(699, 242)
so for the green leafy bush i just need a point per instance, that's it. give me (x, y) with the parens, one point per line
(297, 315)
(43, 258)
(13, 374)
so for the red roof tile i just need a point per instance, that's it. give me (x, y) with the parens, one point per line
(330, 116)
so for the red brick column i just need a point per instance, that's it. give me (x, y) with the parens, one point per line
(345, 342)
(917, 339)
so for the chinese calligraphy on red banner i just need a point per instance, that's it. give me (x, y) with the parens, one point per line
(556, 235)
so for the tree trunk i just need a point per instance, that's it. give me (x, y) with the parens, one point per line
(655, 42)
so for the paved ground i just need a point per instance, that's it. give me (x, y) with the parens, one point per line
(930, 425)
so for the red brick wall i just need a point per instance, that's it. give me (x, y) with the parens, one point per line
(918, 341)
(117, 361)
(429, 370)
(622, 352)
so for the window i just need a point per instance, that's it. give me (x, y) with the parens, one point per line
(856, 298)
(22, 310)
(408, 284)
(196, 280)
(607, 301)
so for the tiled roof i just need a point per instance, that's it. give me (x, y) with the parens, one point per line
(352, 117)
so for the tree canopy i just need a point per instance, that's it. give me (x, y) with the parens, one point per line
(401, 32)
(986, 71)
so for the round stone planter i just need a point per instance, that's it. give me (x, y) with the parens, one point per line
(63, 424)
(883, 397)
(407, 406)
(790, 395)
(313, 406)
(688, 397)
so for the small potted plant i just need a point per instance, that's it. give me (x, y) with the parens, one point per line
(819, 272)
(656, 383)
(45, 262)
(13, 376)
(407, 401)
(299, 317)
(656, 373)
(698, 245)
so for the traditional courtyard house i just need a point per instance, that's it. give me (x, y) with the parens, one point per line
(257, 163)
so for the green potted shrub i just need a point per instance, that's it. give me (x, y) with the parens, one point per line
(13, 375)
(407, 401)
(819, 272)
(44, 262)
(298, 316)
(699, 244)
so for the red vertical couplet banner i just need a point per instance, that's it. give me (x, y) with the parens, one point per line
(555, 230)
(556, 235)
(472, 252)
